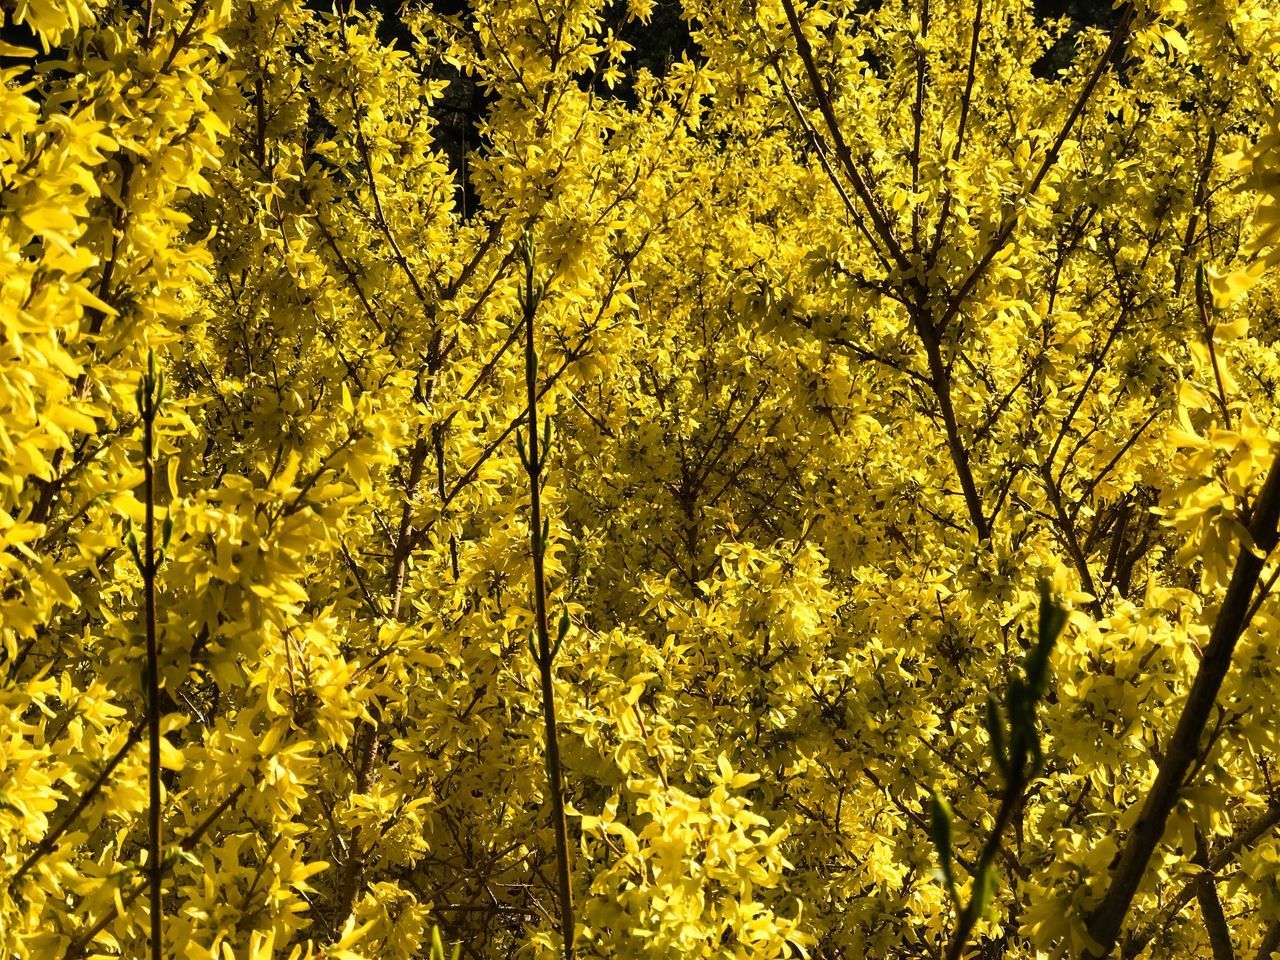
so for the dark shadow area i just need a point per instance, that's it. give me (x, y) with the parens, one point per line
(1083, 14)
(663, 40)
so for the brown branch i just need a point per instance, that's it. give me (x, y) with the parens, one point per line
(1254, 831)
(150, 396)
(1111, 464)
(349, 272)
(405, 536)
(940, 381)
(966, 100)
(577, 352)
(917, 122)
(820, 148)
(843, 154)
(356, 572)
(1119, 38)
(534, 463)
(180, 43)
(78, 947)
(1270, 945)
(51, 838)
(1193, 221)
(1071, 538)
(1094, 369)
(362, 144)
(1105, 922)
(1203, 308)
(1215, 920)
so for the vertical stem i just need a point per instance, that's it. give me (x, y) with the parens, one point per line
(940, 380)
(1211, 912)
(437, 435)
(1206, 323)
(260, 126)
(400, 558)
(534, 464)
(154, 866)
(917, 117)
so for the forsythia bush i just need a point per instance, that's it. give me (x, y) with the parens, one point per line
(626, 542)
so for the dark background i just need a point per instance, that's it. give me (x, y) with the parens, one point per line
(656, 44)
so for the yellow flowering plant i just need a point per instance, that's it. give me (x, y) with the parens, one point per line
(464, 493)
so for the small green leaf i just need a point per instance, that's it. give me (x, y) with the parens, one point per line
(527, 249)
(999, 741)
(1037, 750)
(131, 539)
(940, 833)
(1016, 702)
(984, 888)
(524, 457)
(1053, 617)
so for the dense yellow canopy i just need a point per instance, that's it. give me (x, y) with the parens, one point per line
(842, 336)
